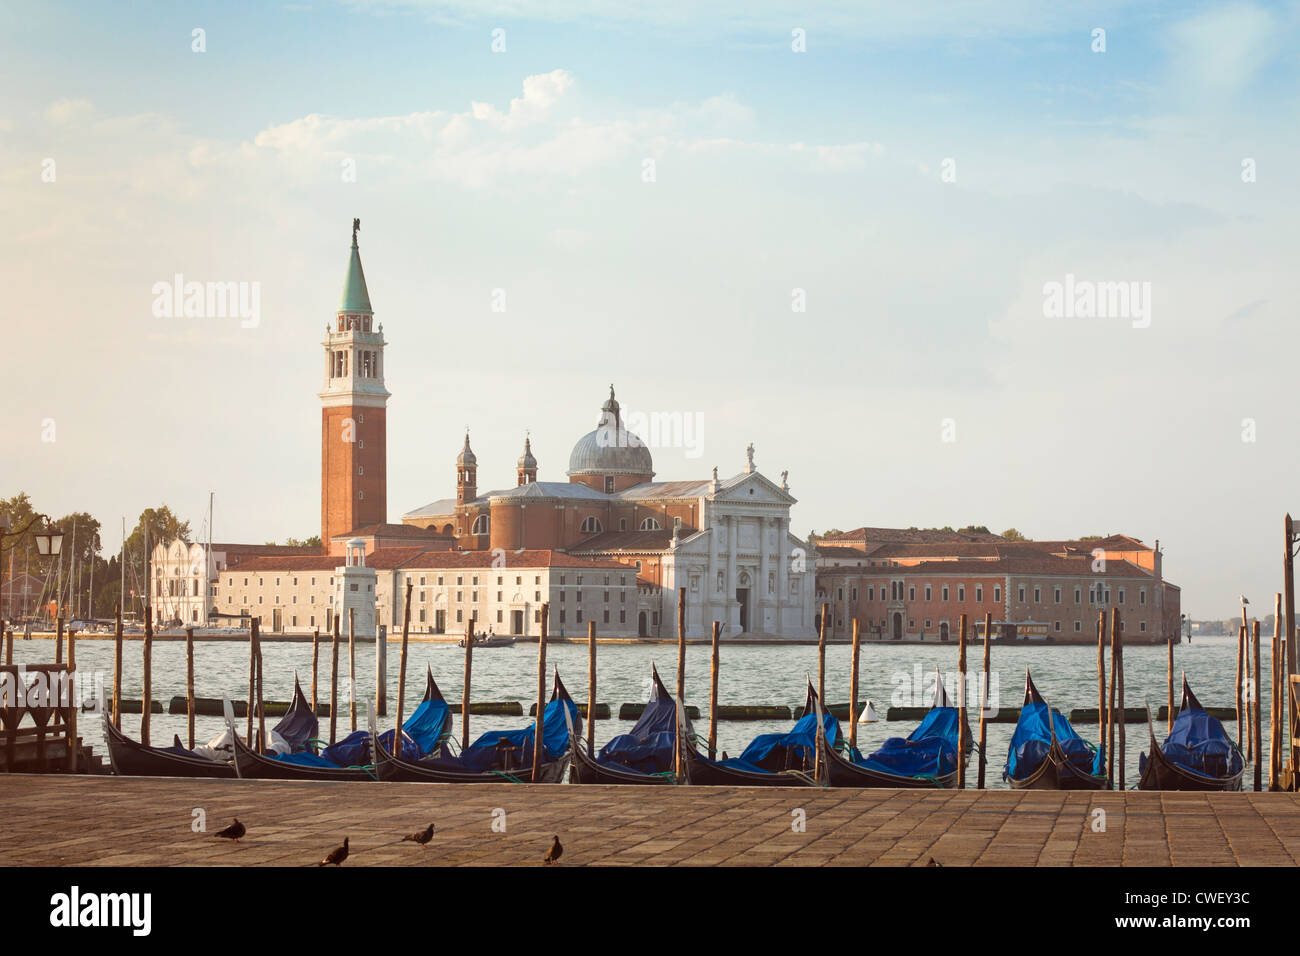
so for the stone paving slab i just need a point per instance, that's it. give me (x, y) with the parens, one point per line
(138, 821)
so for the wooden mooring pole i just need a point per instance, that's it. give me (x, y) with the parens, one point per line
(853, 686)
(1101, 684)
(984, 698)
(334, 679)
(591, 687)
(352, 669)
(117, 667)
(1289, 652)
(821, 655)
(401, 673)
(1241, 647)
(539, 726)
(315, 665)
(189, 685)
(713, 694)
(261, 690)
(58, 639)
(961, 703)
(146, 702)
(1275, 700)
(252, 683)
(1117, 627)
(1169, 681)
(1110, 709)
(465, 685)
(1254, 707)
(681, 644)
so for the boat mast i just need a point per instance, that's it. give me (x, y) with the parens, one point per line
(207, 566)
(90, 591)
(72, 571)
(121, 566)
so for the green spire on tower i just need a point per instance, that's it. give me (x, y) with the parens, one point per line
(355, 297)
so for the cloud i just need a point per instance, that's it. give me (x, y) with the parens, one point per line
(70, 111)
(1216, 55)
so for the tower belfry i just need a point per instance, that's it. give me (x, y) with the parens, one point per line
(354, 480)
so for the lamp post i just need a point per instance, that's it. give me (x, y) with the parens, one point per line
(48, 542)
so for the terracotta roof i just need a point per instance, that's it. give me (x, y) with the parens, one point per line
(907, 536)
(387, 559)
(1024, 563)
(528, 558)
(638, 541)
(387, 530)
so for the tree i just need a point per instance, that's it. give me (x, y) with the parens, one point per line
(974, 529)
(1011, 534)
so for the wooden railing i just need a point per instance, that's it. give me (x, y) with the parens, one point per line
(45, 694)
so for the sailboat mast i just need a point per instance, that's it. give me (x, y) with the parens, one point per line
(207, 565)
(121, 565)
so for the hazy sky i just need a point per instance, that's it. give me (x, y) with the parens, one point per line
(829, 171)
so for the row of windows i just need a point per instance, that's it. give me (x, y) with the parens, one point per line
(1097, 594)
(911, 624)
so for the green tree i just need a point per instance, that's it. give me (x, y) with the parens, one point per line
(974, 529)
(1011, 534)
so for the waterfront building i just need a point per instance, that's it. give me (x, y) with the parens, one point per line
(915, 585)
(185, 577)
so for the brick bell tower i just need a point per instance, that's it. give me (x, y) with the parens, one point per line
(354, 471)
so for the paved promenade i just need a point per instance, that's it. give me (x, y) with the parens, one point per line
(113, 821)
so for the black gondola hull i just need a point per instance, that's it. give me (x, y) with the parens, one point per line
(391, 768)
(131, 758)
(251, 765)
(586, 769)
(702, 773)
(1161, 774)
(839, 771)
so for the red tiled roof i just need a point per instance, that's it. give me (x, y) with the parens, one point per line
(908, 536)
(1023, 563)
(387, 530)
(638, 541)
(386, 559)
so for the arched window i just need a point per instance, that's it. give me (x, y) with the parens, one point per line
(591, 525)
(480, 525)
(650, 524)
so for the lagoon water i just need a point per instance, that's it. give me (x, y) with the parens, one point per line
(1066, 676)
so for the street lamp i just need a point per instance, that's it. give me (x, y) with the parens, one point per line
(49, 543)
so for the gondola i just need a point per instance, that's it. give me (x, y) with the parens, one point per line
(643, 755)
(133, 759)
(771, 760)
(926, 758)
(1198, 754)
(351, 757)
(1046, 753)
(499, 756)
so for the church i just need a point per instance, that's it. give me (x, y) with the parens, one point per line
(495, 556)
(727, 541)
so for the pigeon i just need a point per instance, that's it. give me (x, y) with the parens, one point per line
(422, 837)
(934, 862)
(337, 855)
(553, 854)
(232, 832)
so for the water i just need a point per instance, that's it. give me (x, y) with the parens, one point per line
(1066, 676)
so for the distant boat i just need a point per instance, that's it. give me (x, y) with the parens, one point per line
(500, 640)
(869, 715)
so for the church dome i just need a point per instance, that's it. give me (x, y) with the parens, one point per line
(610, 449)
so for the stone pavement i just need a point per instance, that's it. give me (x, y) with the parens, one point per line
(135, 821)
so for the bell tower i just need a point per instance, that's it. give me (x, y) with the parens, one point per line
(354, 457)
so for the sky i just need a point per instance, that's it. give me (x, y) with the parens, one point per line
(830, 230)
